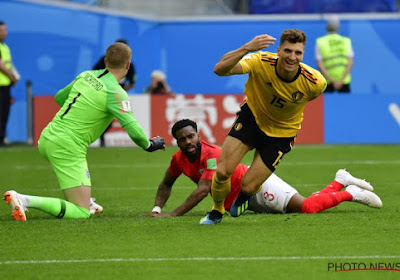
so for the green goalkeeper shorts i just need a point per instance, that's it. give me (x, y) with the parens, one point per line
(71, 168)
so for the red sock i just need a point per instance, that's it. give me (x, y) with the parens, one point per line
(321, 201)
(334, 186)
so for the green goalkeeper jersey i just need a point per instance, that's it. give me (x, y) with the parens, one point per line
(88, 106)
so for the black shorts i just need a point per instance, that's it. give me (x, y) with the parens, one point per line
(344, 89)
(271, 149)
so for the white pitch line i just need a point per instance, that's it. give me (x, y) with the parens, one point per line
(266, 258)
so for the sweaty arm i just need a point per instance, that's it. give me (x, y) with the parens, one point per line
(62, 94)
(229, 63)
(164, 189)
(202, 190)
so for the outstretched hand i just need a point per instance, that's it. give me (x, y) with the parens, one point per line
(156, 143)
(260, 42)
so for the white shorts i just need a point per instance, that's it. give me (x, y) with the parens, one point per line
(273, 197)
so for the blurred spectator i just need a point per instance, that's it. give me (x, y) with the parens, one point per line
(334, 54)
(126, 83)
(8, 78)
(158, 83)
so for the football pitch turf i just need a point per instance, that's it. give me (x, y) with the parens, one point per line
(122, 243)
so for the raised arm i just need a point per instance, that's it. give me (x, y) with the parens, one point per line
(229, 63)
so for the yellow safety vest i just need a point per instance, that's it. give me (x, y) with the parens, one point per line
(6, 58)
(335, 50)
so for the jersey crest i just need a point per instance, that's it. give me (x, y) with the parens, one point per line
(297, 96)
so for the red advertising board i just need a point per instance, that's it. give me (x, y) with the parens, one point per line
(312, 128)
(214, 114)
(44, 109)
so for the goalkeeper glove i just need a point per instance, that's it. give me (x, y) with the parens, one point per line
(156, 143)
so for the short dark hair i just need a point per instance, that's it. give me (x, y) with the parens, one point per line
(293, 36)
(181, 124)
(2, 23)
(122, 40)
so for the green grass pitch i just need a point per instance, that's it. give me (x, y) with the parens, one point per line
(123, 244)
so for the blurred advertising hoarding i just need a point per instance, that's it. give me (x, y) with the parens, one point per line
(214, 115)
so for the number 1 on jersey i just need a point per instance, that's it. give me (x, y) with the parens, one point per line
(70, 104)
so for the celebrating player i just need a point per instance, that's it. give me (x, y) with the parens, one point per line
(277, 90)
(88, 105)
(198, 160)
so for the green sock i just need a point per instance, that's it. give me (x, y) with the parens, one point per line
(58, 207)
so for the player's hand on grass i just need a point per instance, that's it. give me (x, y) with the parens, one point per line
(156, 143)
(158, 215)
(151, 214)
(163, 215)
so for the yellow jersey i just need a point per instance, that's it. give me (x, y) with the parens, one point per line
(278, 105)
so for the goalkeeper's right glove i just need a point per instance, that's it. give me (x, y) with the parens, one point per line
(156, 143)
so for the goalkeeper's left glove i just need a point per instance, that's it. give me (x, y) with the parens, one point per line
(156, 143)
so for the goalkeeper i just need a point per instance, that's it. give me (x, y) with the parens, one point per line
(88, 105)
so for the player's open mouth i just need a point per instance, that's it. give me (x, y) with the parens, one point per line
(191, 149)
(290, 63)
